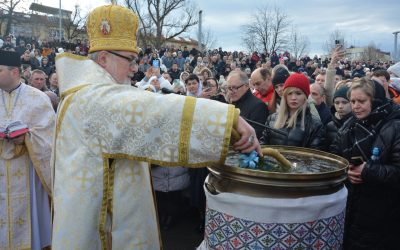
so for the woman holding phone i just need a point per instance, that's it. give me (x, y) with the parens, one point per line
(371, 142)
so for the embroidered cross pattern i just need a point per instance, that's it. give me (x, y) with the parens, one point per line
(86, 177)
(215, 124)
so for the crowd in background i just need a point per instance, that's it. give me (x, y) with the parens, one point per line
(217, 63)
(304, 102)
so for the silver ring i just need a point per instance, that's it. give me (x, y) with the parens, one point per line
(251, 140)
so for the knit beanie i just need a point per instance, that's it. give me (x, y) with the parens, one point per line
(300, 81)
(280, 76)
(379, 95)
(341, 92)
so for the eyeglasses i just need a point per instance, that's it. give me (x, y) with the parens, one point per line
(234, 88)
(131, 60)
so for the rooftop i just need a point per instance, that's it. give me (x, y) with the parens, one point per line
(48, 10)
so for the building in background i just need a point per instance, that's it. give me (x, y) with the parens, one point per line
(177, 43)
(43, 23)
(367, 53)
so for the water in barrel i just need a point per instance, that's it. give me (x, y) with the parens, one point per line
(303, 165)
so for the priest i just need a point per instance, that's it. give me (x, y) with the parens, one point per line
(108, 133)
(25, 220)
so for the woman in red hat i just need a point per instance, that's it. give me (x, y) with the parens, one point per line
(293, 124)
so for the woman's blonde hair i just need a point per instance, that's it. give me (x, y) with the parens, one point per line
(284, 118)
(342, 83)
(366, 85)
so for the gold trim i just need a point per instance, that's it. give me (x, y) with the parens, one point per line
(72, 56)
(72, 90)
(9, 208)
(235, 118)
(161, 163)
(61, 114)
(228, 131)
(36, 165)
(103, 211)
(111, 187)
(186, 127)
(28, 200)
(19, 150)
(155, 206)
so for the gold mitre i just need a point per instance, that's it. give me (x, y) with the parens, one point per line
(112, 27)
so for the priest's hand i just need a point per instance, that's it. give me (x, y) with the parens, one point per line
(248, 140)
(18, 140)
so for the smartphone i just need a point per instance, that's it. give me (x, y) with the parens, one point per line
(356, 160)
(156, 63)
(206, 87)
(338, 43)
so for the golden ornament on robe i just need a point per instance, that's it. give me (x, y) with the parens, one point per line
(112, 27)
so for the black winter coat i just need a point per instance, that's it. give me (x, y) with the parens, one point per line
(253, 109)
(333, 126)
(313, 135)
(373, 207)
(324, 113)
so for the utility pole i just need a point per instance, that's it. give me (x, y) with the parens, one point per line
(200, 38)
(60, 19)
(395, 53)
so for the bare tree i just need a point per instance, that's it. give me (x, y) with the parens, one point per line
(74, 25)
(371, 53)
(249, 42)
(163, 20)
(298, 43)
(330, 44)
(267, 29)
(208, 39)
(279, 29)
(7, 8)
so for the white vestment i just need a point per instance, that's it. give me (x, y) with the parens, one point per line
(107, 136)
(25, 221)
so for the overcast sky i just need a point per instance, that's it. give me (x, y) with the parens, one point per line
(361, 21)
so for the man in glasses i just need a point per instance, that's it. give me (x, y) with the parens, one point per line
(251, 108)
(108, 133)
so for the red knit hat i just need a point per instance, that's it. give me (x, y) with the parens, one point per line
(300, 81)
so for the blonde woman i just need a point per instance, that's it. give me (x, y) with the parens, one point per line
(293, 124)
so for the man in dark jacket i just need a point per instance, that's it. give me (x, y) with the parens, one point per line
(318, 95)
(251, 108)
(174, 71)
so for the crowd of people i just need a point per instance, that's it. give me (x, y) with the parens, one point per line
(349, 108)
